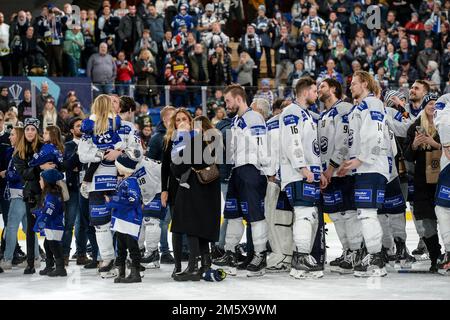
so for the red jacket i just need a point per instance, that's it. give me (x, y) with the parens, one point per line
(418, 26)
(124, 74)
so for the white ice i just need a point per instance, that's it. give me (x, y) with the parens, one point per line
(158, 285)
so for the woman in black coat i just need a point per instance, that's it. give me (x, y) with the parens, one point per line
(169, 183)
(421, 139)
(197, 205)
(29, 144)
(146, 73)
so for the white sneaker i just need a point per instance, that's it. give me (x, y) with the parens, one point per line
(6, 264)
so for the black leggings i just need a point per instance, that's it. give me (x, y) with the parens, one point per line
(31, 220)
(177, 244)
(197, 246)
(53, 250)
(124, 242)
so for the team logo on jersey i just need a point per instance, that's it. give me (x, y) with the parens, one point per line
(316, 148)
(444, 193)
(439, 106)
(350, 138)
(323, 144)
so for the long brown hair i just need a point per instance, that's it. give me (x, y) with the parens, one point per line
(55, 137)
(19, 134)
(171, 129)
(52, 188)
(24, 147)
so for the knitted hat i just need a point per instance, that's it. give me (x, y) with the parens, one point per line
(52, 176)
(391, 93)
(127, 162)
(262, 7)
(427, 98)
(32, 122)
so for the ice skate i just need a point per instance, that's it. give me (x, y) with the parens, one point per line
(371, 265)
(283, 265)
(352, 259)
(228, 263)
(107, 269)
(402, 255)
(334, 265)
(444, 265)
(151, 261)
(305, 266)
(421, 252)
(257, 266)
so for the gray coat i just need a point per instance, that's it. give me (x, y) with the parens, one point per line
(245, 72)
(101, 69)
(156, 26)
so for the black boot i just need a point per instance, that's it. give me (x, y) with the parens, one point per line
(434, 250)
(175, 271)
(244, 264)
(30, 268)
(49, 267)
(134, 276)
(205, 263)
(121, 275)
(191, 273)
(60, 270)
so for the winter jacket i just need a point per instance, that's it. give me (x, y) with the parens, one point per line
(146, 81)
(72, 165)
(156, 144)
(125, 27)
(50, 217)
(156, 26)
(224, 127)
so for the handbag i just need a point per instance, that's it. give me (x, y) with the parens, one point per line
(208, 174)
(432, 166)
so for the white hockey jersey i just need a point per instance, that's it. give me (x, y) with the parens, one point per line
(369, 137)
(333, 135)
(249, 141)
(392, 151)
(273, 141)
(148, 174)
(399, 123)
(299, 146)
(105, 177)
(442, 123)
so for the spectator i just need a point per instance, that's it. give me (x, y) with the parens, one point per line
(330, 73)
(370, 60)
(219, 115)
(313, 59)
(41, 98)
(333, 24)
(54, 51)
(198, 111)
(343, 9)
(392, 62)
(155, 22)
(266, 94)
(357, 21)
(298, 73)
(408, 71)
(316, 23)
(73, 45)
(221, 12)
(245, 69)
(198, 71)
(405, 51)
(343, 57)
(145, 135)
(41, 22)
(424, 56)
(305, 37)
(215, 71)
(122, 11)
(130, 30)
(284, 47)
(102, 70)
(427, 33)
(380, 44)
(414, 26)
(125, 73)
(146, 73)
(225, 59)
(107, 25)
(206, 21)
(184, 17)
(177, 75)
(50, 116)
(444, 36)
(5, 62)
(143, 118)
(251, 43)
(24, 107)
(215, 37)
(5, 102)
(143, 10)
(263, 28)
(146, 43)
(432, 72)
(359, 43)
(391, 25)
(169, 46)
(298, 11)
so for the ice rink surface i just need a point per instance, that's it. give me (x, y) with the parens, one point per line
(157, 284)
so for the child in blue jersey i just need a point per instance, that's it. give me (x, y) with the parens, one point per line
(126, 217)
(52, 150)
(50, 220)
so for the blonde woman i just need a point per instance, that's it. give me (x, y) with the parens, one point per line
(50, 115)
(105, 137)
(422, 138)
(146, 73)
(219, 115)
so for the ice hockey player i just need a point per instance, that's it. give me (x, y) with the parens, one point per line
(301, 175)
(368, 151)
(247, 184)
(337, 198)
(442, 209)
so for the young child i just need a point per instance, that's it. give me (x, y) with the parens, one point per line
(126, 217)
(50, 220)
(51, 151)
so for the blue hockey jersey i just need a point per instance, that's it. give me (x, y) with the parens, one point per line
(50, 218)
(126, 208)
(48, 153)
(14, 185)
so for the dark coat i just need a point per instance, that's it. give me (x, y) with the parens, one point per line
(146, 81)
(156, 144)
(197, 209)
(224, 168)
(423, 192)
(125, 27)
(168, 181)
(30, 177)
(72, 165)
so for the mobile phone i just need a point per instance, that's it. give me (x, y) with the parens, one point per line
(420, 129)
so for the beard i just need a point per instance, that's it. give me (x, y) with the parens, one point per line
(324, 97)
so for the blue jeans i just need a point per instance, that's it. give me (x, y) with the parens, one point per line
(72, 66)
(164, 224)
(123, 88)
(17, 214)
(107, 88)
(87, 231)
(72, 211)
